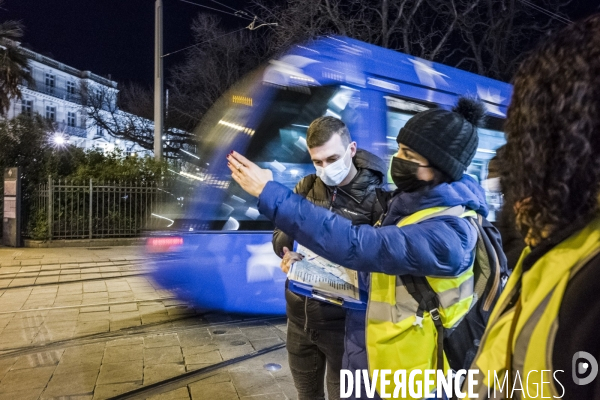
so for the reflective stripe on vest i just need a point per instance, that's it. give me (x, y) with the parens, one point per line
(542, 290)
(393, 341)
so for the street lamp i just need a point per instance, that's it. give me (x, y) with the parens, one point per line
(59, 140)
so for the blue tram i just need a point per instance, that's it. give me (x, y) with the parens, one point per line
(217, 252)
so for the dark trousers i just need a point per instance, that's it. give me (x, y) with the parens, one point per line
(310, 354)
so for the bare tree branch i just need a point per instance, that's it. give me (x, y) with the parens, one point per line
(491, 34)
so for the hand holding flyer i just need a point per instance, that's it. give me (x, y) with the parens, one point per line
(324, 280)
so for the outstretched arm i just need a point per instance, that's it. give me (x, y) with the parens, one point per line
(436, 247)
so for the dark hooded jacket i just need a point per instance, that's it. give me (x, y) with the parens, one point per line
(355, 201)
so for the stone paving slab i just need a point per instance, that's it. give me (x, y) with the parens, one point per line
(179, 394)
(78, 383)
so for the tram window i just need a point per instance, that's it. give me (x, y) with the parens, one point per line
(280, 139)
(281, 134)
(399, 111)
(491, 136)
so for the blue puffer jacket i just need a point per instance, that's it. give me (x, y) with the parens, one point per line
(441, 246)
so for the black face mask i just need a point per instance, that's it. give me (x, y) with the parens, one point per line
(404, 175)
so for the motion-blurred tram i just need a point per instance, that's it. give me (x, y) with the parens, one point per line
(217, 253)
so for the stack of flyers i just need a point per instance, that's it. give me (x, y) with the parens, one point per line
(324, 280)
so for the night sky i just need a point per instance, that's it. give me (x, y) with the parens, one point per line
(113, 37)
(116, 37)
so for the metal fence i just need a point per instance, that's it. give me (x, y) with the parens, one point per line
(74, 210)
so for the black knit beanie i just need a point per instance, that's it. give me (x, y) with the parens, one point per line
(447, 139)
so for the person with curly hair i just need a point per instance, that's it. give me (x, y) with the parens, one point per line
(424, 233)
(542, 336)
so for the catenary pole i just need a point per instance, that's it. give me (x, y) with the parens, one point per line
(158, 80)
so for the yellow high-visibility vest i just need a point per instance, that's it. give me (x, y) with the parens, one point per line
(534, 330)
(395, 340)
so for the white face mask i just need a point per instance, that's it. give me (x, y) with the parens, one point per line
(491, 185)
(336, 172)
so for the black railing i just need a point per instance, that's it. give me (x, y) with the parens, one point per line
(75, 210)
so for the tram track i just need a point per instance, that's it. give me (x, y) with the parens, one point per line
(73, 281)
(84, 264)
(187, 378)
(40, 271)
(107, 270)
(132, 332)
(114, 303)
(121, 269)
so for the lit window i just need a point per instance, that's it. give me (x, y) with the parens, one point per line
(51, 113)
(71, 118)
(27, 107)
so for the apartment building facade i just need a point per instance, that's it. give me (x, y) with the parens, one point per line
(56, 94)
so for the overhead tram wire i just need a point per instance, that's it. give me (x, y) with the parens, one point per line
(548, 13)
(236, 14)
(201, 43)
(251, 27)
(224, 5)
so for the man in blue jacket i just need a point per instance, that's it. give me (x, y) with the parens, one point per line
(435, 149)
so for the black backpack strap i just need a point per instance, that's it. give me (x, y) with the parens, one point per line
(382, 199)
(490, 264)
(421, 291)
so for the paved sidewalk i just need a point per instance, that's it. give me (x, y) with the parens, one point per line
(88, 323)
